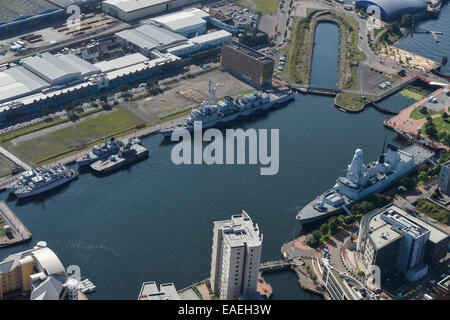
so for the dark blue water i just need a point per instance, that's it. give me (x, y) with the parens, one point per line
(324, 66)
(425, 45)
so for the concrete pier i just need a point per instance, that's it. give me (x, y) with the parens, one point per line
(19, 232)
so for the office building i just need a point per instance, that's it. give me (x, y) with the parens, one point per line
(236, 255)
(395, 240)
(251, 66)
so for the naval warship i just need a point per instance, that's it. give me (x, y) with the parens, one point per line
(100, 152)
(363, 181)
(131, 152)
(212, 114)
(43, 179)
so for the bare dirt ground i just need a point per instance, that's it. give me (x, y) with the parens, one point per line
(176, 99)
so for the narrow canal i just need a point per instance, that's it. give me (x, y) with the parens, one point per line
(325, 63)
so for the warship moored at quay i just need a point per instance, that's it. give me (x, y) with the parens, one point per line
(363, 181)
(130, 153)
(42, 179)
(100, 152)
(229, 109)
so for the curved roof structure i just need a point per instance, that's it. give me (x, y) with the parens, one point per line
(49, 261)
(392, 9)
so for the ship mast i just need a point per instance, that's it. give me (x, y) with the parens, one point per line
(212, 91)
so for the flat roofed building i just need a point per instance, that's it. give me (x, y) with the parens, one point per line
(187, 22)
(128, 10)
(203, 42)
(236, 256)
(149, 291)
(147, 38)
(393, 239)
(248, 64)
(444, 178)
(443, 289)
(122, 62)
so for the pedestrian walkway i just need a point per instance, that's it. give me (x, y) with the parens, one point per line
(14, 159)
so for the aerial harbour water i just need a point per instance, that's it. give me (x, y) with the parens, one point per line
(154, 220)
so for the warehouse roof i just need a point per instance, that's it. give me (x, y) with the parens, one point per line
(182, 20)
(395, 8)
(51, 68)
(86, 68)
(133, 5)
(150, 37)
(122, 62)
(18, 81)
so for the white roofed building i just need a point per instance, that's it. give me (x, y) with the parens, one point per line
(128, 10)
(189, 22)
(203, 42)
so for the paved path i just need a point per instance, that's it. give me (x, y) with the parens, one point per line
(14, 159)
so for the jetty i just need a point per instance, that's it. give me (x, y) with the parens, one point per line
(15, 231)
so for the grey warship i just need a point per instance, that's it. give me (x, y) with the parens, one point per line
(363, 181)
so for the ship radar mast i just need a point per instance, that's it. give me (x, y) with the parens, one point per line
(212, 91)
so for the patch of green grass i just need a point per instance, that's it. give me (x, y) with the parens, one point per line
(349, 101)
(442, 125)
(376, 31)
(416, 115)
(30, 129)
(411, 94)
(262, 6)
(61, 142)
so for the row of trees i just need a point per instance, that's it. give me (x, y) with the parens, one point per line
(336, 224)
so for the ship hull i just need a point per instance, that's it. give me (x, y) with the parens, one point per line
(232, 117)
(21, 195)
(309, 214)
(102, 171)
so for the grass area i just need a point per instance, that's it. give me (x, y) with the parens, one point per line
(416, 114)
(442, 125)
(297, 60)
(6, 166)
(39, 126)
(376, 31)
(62, 142)
(412, 94)
(349, 101)
(433, 211)
(262, 6)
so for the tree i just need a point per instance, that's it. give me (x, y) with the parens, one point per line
(324, 228)
(333, 225)
(444, 115)
(407, 21)
(103, 98)
(423, 176)
(316, 235)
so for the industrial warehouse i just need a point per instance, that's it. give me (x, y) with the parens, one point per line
(47, 79)
(128, 10)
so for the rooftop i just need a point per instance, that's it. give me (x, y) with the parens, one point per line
(248, 51)
(134, 5)
(149, 291)
(240, 231)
